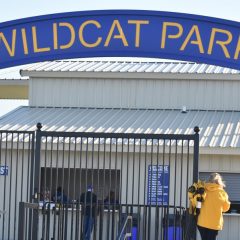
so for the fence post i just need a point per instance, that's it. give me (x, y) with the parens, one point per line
(193, 224)
(31, 191)
(36, 180)
(196, 154)
(21, 221)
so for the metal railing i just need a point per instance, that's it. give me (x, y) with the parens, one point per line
(128, 233)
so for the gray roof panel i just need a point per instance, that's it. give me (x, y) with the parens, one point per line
(217, 128)
(124, 67)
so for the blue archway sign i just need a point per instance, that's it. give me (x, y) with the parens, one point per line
(120, 33)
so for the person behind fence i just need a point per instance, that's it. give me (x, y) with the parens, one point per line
(89, 211)
(210, 219)
(59, 196)
(45, 195)
(110, 201)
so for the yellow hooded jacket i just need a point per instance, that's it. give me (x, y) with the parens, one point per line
(216, 202)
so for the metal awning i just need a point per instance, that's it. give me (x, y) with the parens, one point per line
(217, 128)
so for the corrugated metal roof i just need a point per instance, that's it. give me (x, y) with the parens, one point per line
(217, 128)
(129, 67)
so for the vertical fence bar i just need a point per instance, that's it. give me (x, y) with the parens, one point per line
(175, 189)
(195, 168)
(93, 201)
(127, 174)
(42, 188)
(108, 192)
(116, 191)
(74, 199)
(121, 185)
(163, 164)
(2, 204)
(11, 179)
(80, 185)
(139, 178)
(145, 202)
(16, 186)
(196, 154)
(55, 218)
(21, 221)
(31, 167)
(37, 180)
(99, 206)
(156, 190)
(181, 190)
(150, 191)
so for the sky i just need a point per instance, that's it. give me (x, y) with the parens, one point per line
(16, 9)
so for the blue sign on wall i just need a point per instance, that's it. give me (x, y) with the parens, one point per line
(158, 184)
(120, 33)
(3, 170)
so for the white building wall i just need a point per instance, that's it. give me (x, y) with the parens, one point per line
(231, 227)
(135, 93)
(219, 163)
(14, 188)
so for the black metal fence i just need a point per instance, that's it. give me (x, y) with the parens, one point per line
(16, 169)
(108, 185)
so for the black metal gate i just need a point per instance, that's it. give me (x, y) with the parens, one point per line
(108, 185)
(16, 174)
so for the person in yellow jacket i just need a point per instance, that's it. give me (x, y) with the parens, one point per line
(210, 219)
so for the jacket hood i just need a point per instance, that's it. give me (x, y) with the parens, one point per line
(212, 186)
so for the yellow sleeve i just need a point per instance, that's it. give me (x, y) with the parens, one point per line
(226, 204)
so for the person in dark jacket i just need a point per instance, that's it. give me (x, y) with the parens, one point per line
(110, 201)
(89, 211)
(59, 196)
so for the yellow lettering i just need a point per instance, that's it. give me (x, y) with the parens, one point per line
(194, 30)
(121, 35)
(24, 39)
(55, 36)
(35, 43)
(138, 26)
(164, 32)
(237, 49)
(222, 44)
(81, 38)
(72, 33)
(11, 50)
